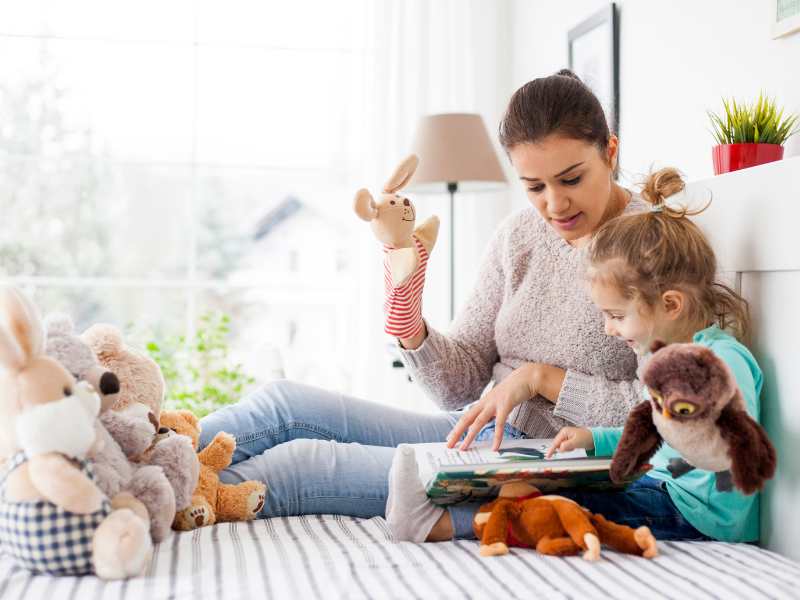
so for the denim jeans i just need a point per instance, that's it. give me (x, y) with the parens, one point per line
(644, 502)
(321, 452)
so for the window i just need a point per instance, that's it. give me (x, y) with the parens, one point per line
(161, 160)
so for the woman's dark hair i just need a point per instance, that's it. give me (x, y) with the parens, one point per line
(560, 104)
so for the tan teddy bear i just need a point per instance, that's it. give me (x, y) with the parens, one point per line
(140, 378)
(212, 501)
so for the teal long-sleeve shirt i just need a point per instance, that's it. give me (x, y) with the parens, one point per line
(727, 516)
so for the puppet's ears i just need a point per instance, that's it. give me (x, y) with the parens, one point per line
(402, 174)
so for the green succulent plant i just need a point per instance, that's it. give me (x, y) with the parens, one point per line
(759, 123)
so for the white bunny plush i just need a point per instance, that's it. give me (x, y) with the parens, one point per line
(407, 248)
(53, 518)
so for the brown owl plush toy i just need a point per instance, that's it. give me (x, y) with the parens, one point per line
(697, 408)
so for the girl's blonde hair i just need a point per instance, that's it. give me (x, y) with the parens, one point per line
(648, 253)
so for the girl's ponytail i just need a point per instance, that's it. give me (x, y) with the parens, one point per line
(661, 185)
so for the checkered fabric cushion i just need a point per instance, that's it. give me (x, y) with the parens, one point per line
(43, 538)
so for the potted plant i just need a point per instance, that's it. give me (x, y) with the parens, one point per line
(749, 134)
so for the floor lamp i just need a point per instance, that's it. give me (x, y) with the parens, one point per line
(455, 154)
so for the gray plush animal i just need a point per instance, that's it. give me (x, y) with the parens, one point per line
(113, 471)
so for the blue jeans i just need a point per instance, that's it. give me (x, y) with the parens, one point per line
(646, 501)
(321, 452)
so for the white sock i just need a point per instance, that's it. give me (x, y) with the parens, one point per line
(409, 512)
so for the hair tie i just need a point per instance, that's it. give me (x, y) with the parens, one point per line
(657, 209)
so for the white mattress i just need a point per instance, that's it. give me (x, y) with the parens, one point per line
(340, 557)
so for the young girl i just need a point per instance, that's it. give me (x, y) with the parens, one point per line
(652, 275)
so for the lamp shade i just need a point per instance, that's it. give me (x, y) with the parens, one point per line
(455, 147)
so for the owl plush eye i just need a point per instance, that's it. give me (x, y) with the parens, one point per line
(659, 400)
(683, 408)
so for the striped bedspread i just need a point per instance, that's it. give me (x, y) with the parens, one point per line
(339, 557)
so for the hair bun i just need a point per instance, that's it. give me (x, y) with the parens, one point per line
(661, 185)
(570, 74)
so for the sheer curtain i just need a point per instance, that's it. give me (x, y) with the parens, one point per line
(428, 57)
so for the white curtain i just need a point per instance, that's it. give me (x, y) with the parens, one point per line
(430, 56)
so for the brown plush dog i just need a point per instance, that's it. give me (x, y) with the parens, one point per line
(522, 516)
(212, 501)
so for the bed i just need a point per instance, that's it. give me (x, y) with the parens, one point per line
(340, 557)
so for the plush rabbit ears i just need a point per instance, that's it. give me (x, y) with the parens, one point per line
(402, 174)
(364, 205)
(21, 331)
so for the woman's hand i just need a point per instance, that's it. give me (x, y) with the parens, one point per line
(522, 384)
(570, 438)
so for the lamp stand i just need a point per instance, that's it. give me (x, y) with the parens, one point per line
(452, 188)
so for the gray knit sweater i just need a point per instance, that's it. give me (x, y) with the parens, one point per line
(531, 304)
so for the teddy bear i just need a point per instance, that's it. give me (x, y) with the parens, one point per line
(114, 472)
(140, 378)
(48, 495)
(521, 516)
(140, 396)
(213, 502)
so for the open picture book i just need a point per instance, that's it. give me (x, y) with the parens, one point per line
(451, 475)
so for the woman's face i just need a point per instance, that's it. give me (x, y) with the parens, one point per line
(569, 182)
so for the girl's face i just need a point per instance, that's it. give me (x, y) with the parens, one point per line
(570, 182)
(628, 319)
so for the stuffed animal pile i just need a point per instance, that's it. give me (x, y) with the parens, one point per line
(85, 450)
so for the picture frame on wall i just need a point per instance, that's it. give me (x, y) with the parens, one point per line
(593, 54)
(785, 17)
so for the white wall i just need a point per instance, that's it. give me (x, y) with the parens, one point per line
(749, 241)
(677, 59)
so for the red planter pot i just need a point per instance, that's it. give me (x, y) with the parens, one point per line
(732, 157)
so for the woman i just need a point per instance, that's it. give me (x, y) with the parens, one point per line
(529, 325)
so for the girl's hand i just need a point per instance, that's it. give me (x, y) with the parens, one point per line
(570, 438)
(522, 384)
